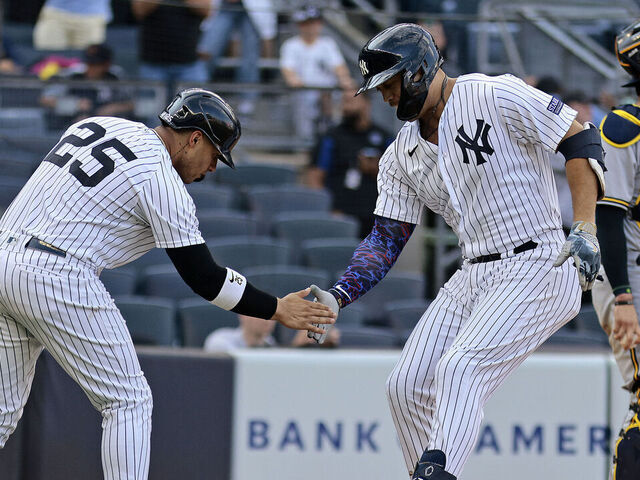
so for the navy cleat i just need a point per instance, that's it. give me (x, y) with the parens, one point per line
(431, 467)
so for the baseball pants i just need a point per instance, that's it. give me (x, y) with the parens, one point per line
(60, 304)
(482, 325)
(627, 360)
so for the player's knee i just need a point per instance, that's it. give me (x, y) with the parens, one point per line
(627, 453)
(399, 388)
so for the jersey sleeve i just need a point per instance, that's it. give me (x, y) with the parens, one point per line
(287, 55)
(619, 176)
(170, 211)
(531, 115)
(396, 198)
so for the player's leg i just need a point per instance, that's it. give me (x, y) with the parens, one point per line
(626, 457)
(522, 303)
(410, 387)
(18, 354)
(69, 311)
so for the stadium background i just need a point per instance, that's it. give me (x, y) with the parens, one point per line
(247, 414)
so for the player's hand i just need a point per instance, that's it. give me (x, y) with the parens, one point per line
(582, 245)
(295, 312)
(324, 298)
(626, 329)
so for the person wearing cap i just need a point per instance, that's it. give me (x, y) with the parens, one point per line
(345, 160)
(72, 102)
(312, 60)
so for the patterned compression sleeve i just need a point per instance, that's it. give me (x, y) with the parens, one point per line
(373, 258)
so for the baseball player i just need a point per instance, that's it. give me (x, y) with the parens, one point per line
(108, 192)
(617, 215)
(475, 149)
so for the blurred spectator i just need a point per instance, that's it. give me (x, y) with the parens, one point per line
(251, 332)
(547, 84)
(8, 61)
(345, 160)
(437, 31)
(71, 24)
(312, 60)
(588, 111)
(168, 39)
(256, 22)
(68, 103)
(332, 341)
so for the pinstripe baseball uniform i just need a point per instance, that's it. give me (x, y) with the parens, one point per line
(491, 180)
(105, 194)
(622, 192)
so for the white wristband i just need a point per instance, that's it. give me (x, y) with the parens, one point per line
(231, 291)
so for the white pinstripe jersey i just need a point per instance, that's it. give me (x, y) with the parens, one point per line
(106, 193)
(622, 180)
(490, 176)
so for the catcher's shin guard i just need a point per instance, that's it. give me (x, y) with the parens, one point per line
(431, 467)
(626, 459)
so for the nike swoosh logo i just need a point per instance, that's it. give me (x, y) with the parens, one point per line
(411, 152)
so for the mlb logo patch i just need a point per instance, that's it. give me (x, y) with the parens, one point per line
(555, 105)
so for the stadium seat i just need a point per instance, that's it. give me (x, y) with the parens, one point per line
(164, 281)
(587, 320)
(151, 321)
(567, 336)
(403, 315)
(198, 318)
(283, 279)
(395, 286)
(12, 164)
(297, 227)
(155, 256)
(208, 196)
(367, 337)
(256, 174)
(243, 252)
(267, 202)
(352, 314)
(119, 281)
(224, 223)
(332, 254)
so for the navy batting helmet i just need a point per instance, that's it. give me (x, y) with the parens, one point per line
(207, 112)
(628, 53)
(402, 49)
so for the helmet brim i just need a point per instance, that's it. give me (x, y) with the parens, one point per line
(633, 83)
(378, 79)
(225, 157)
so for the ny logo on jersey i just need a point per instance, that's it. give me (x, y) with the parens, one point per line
(466, 143)
(363, 68)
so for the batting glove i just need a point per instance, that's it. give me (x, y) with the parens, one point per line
(582, 245)
(330, 301)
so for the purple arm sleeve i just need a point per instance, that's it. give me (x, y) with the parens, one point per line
(373, 258)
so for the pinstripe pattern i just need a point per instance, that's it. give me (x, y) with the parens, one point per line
(484, 322)
(489, 316)
(114, 197)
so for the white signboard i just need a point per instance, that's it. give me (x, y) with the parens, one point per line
(323, 415)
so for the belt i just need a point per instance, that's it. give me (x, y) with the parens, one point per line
(492, 257)
(37, 244)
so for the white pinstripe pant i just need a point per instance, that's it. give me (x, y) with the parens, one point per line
(484, 322)
(59, 304)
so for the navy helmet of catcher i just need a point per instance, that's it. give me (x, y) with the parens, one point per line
(404, 48)
(628, 52)
(196, 108)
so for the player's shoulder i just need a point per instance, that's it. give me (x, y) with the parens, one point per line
(620, 128)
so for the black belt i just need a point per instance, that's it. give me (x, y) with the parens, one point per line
(37, 244)
(492, 257)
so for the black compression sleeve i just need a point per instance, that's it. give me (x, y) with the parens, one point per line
(613, 245)
(205, 277)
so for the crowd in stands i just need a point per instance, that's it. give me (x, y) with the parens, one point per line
(187, 41)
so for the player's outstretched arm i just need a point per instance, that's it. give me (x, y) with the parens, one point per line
(230, 290)
(583, 153)
(370, 262)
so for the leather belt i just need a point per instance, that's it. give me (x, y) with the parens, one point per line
(37, 244)
(492, 257)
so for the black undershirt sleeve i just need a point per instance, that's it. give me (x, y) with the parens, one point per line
(205, 277)
(613, 246)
